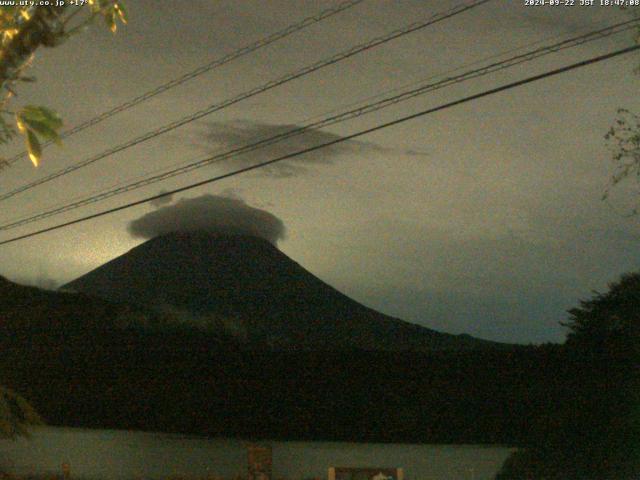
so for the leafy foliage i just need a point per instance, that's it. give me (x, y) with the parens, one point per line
(609, 323)
(16, 415)
(23, 29)
(595, 429)
(38, 122)
(623, 139)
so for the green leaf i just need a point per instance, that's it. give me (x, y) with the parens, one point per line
(43, 130)
(34, 148)
(41, 114)
(38, 121)
(110, 19)
(121, 10)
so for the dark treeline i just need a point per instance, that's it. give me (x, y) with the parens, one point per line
(594, 431)
(81, 364)
(179, 383)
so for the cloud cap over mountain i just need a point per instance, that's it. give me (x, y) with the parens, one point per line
(212, 214)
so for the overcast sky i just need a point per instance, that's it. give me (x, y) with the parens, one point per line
(484, 218)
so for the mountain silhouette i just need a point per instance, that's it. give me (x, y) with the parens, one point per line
(90, 362)
(247, 281)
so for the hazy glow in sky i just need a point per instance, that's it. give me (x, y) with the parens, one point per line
(484, 219)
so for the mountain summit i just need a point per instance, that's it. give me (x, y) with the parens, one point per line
(248, 281)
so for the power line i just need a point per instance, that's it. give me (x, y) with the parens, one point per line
(397, 121)
(350, 114)
(250, 93)
(247, 49)
(360, 101)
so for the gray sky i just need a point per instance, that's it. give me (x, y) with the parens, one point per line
(485, 218)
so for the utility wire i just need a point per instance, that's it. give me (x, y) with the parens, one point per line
(250, 93)
(367, 131)
(354, 113)
(360, 101)
(247, 49)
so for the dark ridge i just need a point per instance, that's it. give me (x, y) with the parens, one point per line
(87, 362)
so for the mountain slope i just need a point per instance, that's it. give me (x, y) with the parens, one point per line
(269, 295)
(87, 362)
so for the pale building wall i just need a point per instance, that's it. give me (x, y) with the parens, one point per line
(123, 455)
